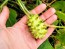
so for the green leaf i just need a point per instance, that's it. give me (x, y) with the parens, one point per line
(60, 8)
(38, 2)
(12, 18)
(61, 36)
(56, 22)
(59, 46)
(46, 45)
(59, 5)
(61, 15)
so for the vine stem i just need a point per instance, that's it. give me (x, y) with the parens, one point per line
(3, 4)
(51, 3)
(55, 26)
(23, 8)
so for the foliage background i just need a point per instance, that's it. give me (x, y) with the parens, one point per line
(57, 39)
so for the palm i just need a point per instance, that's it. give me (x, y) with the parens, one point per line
(21, 38)
(18, 36)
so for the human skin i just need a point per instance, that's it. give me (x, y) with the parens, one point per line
(18, 36)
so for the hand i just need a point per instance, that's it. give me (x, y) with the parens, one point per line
(18, 36)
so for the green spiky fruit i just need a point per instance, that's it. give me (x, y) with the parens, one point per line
(36, 26)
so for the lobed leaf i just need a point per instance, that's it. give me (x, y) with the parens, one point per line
(59, 5)
(61, 36)
(61, 15)
(59, 46)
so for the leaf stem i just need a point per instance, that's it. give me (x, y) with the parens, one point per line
(23, 8)
(3, 5)
(38, 2)
(59, 26)
(55, 26)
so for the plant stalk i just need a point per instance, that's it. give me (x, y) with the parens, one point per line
(3, 5)
(21, 4)
(55, 26)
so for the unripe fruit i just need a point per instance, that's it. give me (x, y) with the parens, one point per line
(36, 26)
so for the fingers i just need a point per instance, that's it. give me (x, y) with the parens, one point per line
(48, 13)
(37, 10)
(4, 15)
(50, 30)
(51, 19)
(40, 41)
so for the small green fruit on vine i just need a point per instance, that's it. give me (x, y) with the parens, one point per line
(36, 26)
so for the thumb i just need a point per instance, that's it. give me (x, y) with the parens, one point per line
(4, 15)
